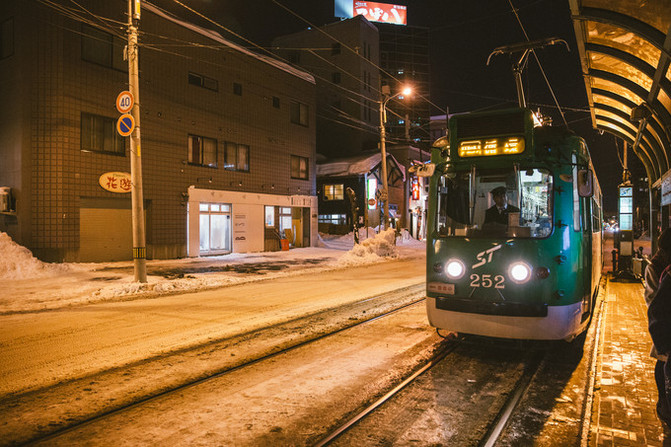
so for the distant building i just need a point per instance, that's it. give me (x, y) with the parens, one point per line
(344, 58)
(404, 59)
(361, 173)
(351, 59)
(228, 137)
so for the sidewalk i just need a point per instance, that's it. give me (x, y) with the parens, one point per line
(623, 411)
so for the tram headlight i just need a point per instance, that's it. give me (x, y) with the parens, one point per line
(520, 272)
(454, 269)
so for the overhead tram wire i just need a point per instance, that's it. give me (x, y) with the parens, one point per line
(526, 36)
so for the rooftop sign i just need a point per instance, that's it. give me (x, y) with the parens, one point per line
(373, 11)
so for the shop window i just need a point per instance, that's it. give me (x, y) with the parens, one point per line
(236, 157)
(202, 151)
(299, 167)
(336, 219)
(270, 216)
(103, 48)
(98, 134)
(215, 227)
(334, 192)
(285, 219)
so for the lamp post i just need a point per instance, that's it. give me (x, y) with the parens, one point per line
(386, 97)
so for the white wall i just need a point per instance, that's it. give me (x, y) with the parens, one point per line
(247, 211)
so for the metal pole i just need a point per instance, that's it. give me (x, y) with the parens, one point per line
(139, 244)
(385, 192)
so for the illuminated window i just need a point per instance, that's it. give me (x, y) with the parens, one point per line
(236, 157)
(99, 135)
(334, 192)
(202, 151)
(299, 167)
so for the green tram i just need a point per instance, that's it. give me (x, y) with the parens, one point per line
(532, 272)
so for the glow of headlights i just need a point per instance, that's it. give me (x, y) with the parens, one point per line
(520, 272)
(454, 269)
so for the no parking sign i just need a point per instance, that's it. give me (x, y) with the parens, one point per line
(125, 125)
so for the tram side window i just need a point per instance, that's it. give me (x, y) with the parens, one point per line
(467, 205)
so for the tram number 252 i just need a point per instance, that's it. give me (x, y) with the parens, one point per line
(488, 281)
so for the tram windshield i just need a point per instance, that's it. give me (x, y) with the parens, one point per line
(495, 203)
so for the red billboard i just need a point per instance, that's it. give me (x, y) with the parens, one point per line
(382, 12)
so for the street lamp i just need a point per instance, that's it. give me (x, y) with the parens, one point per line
(386, 96)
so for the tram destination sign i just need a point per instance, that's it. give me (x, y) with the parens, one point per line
(489, 147)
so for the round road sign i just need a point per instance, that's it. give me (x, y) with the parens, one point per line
(125, 125)
(124, 102)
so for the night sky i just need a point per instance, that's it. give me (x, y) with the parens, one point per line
(462, 35)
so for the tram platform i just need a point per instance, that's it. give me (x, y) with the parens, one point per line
(625, 395)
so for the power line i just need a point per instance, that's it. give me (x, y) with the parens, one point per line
(526, 36)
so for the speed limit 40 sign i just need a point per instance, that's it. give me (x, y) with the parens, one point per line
(124, 102)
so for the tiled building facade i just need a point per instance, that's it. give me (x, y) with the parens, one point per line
(228, 137)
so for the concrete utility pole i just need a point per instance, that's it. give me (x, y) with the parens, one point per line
(139, 243)
(384, 194)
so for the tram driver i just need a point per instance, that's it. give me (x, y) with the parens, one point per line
(498, 213)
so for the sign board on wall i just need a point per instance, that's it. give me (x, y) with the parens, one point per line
(118, 182)
(373, 11)
(666, 188)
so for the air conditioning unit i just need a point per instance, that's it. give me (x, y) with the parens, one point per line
(5, 198)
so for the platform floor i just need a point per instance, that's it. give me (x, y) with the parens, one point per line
(623, 410)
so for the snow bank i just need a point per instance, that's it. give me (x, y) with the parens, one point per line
(371, 250)
(17, 262)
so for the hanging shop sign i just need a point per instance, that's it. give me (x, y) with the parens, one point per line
(118, 182)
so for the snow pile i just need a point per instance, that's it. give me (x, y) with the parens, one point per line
(17, 262)
(371, 250)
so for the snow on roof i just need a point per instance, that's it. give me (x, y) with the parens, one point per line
(355, 165)
(217, 37)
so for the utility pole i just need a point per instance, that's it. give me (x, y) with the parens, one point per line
(137, 205)
(384, 195)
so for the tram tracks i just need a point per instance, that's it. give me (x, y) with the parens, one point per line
(86, 400)
(489, 424)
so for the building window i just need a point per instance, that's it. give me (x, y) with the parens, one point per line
(335, 48)
(237, 89)
(236, 157)
(102, 48)
(299, 167)
(299, 113)
(335, 219)
(203, 81)
(6, 38)
(336, 77)
(98, 134)
(334, 192)
(276, 102)
(202, 151)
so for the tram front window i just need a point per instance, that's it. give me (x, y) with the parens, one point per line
(495, 203)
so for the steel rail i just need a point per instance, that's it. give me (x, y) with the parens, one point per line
(378, 403)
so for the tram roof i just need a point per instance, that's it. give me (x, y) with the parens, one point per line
(625, 52)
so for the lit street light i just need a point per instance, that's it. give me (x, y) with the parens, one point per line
(384, 194)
